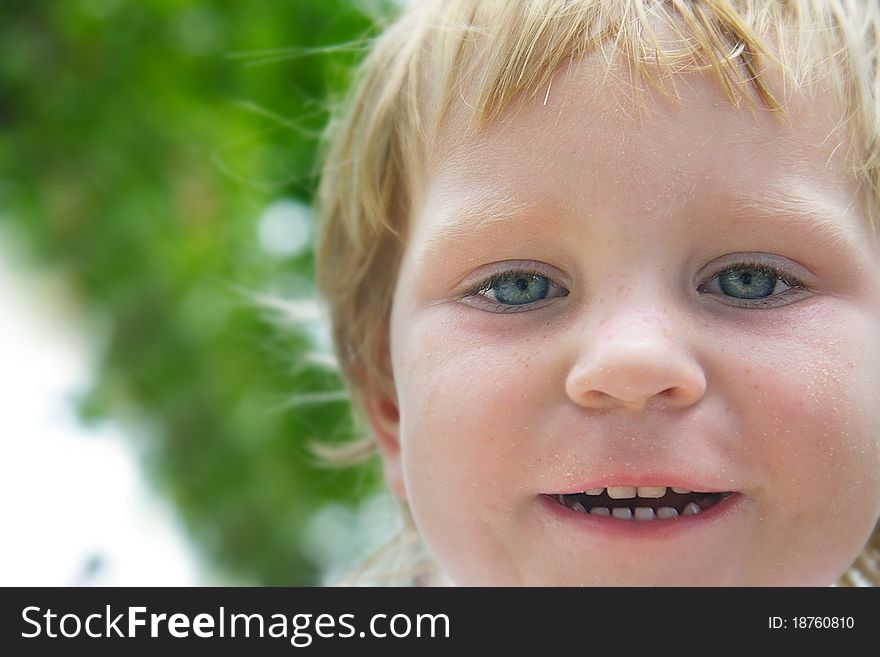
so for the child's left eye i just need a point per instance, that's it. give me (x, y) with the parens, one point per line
(754, 285)
(515, 290)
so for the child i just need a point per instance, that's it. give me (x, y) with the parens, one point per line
(604, 280)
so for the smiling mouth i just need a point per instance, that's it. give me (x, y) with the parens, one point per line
(640, 503)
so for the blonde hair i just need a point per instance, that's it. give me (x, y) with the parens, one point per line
(488, 55)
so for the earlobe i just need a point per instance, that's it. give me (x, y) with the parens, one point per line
(383, 415)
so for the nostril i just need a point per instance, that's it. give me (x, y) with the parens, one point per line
(596, 397)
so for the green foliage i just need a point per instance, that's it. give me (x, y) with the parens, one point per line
(139, 144)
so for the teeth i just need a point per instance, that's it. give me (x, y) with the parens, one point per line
(644, 513)
(621, 492)
(638, 512)
(651, 491)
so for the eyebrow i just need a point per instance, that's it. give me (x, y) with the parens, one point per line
(464, 220)
(820, 221)
(823, 222)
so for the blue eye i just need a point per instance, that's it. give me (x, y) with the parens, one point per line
(515, 290)
(754, 285)
(748, 282)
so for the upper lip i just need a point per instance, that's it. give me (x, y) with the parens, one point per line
(695, 484)
(693, 453)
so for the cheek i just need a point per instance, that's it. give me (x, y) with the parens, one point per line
(469, 411)
(465, 405)
(818, 401)
(811, 414)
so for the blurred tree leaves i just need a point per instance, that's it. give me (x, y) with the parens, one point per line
(140, 143)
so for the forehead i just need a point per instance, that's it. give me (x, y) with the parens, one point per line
(595, 137)
(590, 101)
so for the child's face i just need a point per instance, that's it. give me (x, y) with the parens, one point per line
(632, 340)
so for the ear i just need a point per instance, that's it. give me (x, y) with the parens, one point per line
(383, 415)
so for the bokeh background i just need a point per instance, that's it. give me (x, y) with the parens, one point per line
(164, 365)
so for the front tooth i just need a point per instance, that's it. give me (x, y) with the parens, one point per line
(621, 492)
(667, 512)
(577, 506)
(644, 513)
(600, 511)
(683, 491)
(594, 491)
(690, 509)
(651, 491)
(624, 513)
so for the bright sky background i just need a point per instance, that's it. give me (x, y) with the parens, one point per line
(74, 506)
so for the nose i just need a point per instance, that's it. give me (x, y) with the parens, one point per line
(634, 359)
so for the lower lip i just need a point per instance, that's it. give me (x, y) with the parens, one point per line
(658, 528)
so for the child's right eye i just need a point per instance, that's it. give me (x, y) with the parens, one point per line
(516, 290)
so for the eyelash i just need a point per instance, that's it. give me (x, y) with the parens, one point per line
(490, 282)
(791, 281)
